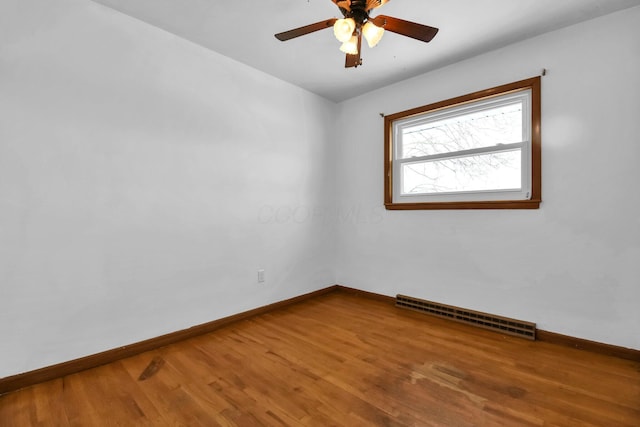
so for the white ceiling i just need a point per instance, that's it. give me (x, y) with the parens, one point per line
(244, 29)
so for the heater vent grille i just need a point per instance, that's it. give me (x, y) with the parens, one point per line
(500, 324)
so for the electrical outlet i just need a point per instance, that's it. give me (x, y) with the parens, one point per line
(261, 276)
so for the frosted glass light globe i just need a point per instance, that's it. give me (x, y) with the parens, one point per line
(372, 33)
(343, 29)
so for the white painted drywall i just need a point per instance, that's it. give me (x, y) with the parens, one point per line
(573, 266)
(143, 182)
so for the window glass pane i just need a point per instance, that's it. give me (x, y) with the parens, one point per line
(482, 172)
(484, 128)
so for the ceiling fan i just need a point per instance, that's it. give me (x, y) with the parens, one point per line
(356, 23)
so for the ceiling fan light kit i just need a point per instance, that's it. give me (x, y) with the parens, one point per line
(357, 23)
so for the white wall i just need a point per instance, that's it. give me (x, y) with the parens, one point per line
(573, 266)
(143, 181)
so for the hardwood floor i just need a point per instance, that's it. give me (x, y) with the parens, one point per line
(343, 360)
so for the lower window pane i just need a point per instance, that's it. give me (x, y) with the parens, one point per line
(482, 172)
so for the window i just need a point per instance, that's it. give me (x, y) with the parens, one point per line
(478, 151)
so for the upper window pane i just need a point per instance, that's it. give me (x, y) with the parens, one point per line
(485, 126)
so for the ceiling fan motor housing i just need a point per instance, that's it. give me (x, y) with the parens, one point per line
(358, 12)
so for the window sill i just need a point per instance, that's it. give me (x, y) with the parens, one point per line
(498, 204)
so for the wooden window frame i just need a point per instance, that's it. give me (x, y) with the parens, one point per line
(533, 202)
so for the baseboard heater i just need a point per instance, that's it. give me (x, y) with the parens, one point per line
(504, 325)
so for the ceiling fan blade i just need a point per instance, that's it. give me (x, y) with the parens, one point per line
(406, 28)
(372, 4)
(354, 60)
(297, 32)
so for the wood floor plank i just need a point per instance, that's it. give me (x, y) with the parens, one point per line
(344, 360)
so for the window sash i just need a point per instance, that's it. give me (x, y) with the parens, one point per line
(522, 96)
(522, 192)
